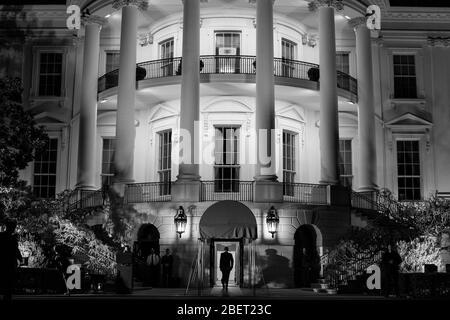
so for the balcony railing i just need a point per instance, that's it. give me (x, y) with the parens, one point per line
(306, 193)
(364, 200)
(239, 191)
(147, 192)
(227, 65)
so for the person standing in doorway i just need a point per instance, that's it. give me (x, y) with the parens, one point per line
(226, 264)
(153, 260)
(167, 263)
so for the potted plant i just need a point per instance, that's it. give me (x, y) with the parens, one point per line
(314, 74)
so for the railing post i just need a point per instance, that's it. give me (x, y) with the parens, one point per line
(328, 194)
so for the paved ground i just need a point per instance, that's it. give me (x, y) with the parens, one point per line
(210, 293)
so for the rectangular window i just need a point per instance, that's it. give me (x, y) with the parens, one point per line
(288, 49)
(112, 61)
(50, 74)
(405, 85)
(44, 177)
(345, 162)
(228, 46)
(165, 161)
(289, 139)
(226, 152)
(109, 148)
(343, 62)
(408, 170)
(166, 49)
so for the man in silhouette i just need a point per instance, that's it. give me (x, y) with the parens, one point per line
(226, 264)
(10, 258)
(153, 261)
(390, 265)
(167, 263)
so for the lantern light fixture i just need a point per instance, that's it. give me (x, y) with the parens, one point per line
(180, 221)
(272, 220)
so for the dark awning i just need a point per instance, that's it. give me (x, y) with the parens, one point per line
(228, 219)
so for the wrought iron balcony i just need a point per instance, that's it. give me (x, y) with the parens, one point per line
(244, 65)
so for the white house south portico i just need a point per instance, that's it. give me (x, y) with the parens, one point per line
(292, 113)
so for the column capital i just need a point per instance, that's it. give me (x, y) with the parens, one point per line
(357, 22)
(316, 4)
(91, 19)
(140, 4)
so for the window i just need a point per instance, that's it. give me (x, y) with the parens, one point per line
(405, 85)
(345, 162)
(44, 177)
(112, 61)
(166, 52)
(226, 152)
(165, 161)
(50, 74)
(288, 162)
(109, 148)
(343, 62)
(228, 46)
(288, 49)
(408, 170)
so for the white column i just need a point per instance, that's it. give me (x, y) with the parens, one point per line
(125, 123)
(329, 125)
(190, 90)
(366, 115)
(88, 105)
(265, 92)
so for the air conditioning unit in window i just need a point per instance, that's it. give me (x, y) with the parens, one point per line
(227, 51)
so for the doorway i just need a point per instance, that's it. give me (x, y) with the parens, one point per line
(306, 255)
(235, 247)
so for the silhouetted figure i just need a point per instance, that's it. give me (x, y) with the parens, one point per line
(306, 264)
(10, 256)
(390, 263)
(153, 261)
(167, 264)
(226, 264)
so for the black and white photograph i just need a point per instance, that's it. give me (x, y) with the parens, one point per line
(224, 159)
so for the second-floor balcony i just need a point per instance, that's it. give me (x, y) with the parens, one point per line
(290, 70)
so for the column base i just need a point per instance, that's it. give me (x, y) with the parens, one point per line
(119, 186)
(372, 188)
(268, 191)
(85, 187)
(186, 190)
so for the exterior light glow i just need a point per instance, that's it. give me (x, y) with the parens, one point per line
(272, 221)
(180, 221)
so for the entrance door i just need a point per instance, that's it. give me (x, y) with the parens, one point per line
(234, 248)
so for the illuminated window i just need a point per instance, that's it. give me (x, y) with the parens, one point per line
(109, 148)
(165, 161)
(345, 162)
(44, 176)
(226, 169)
(289, 139)
(408, 170)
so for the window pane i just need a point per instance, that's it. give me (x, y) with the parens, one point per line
(409, 186)
(44, 175)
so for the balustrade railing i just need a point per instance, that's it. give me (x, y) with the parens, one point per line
(223, 64)
(147, 192)
(235, 190)
(305, 193)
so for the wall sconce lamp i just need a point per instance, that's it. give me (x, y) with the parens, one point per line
(272, 220)
(180, 221)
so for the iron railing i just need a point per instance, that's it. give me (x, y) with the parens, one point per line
(305, 193)
(147, 192)
(364, 200)
(169, 67)
(214, 191)
(82, 199)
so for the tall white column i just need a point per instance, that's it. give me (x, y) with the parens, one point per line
(190, 90)
(88, 104)
(125, 123)
(329, 125)
(366, 114)
(265, 92)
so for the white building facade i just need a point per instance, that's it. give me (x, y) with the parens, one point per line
(349, 109)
